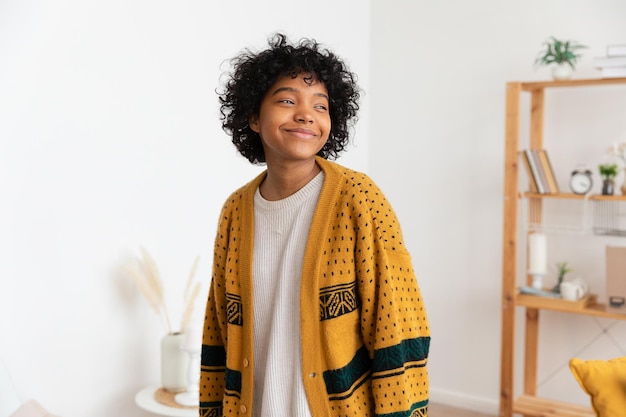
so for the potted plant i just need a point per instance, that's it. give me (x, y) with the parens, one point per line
(561, 55)
(608, 173)
(618, 150)
(562, 269)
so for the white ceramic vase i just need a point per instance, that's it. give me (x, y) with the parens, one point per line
(562, 71)
(174, 362)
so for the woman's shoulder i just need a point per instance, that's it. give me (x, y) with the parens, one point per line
(243, 194)
(357, 192)
(348, 178)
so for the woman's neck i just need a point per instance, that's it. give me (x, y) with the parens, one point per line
(283, 181)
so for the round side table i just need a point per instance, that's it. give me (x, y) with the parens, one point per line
(145, 399)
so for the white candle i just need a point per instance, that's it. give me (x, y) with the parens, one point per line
(537, 254)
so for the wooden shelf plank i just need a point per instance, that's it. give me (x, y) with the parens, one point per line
(600, 197)
(571, 196)
(539, 85)
(541, 407)
(591, 308)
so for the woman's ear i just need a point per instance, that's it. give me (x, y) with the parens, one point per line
(253, 122)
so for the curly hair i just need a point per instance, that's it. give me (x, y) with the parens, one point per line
(254, 73)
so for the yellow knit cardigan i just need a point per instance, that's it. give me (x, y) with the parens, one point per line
(365, 334)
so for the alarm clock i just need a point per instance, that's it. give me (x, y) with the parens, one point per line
(580, 181)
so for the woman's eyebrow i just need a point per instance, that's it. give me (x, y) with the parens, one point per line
(295, 90)
(281, 89)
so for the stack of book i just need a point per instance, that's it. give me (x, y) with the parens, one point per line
(541, 177)
(613, 65)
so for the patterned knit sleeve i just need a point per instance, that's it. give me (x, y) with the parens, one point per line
(213, 358)
(394, 324)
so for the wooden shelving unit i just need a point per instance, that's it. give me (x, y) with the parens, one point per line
(528, 404)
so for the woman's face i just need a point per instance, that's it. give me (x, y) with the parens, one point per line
(293, 120)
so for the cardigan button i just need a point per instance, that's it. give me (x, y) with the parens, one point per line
(246, 363)
(243, 409)
(312, 375)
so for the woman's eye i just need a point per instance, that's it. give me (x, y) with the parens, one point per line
(286, 100)
(321, 107)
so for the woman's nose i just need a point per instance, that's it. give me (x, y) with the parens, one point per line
(304, 116)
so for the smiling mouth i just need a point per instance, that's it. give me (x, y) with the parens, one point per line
(304, 133)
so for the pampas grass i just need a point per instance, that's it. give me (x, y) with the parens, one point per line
(190, 295)
(145, 274)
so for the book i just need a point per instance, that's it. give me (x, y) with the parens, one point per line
(609, 61)
(534, 291)
(546, 167)
(542, 180)
(535, 171)
(532, 184)
(614, 72)
(616, 50)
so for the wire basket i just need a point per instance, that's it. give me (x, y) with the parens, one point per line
(557, 215)
(609, 218)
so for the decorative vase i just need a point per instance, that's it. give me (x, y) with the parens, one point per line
(562, 71)
(174, 362)
(623, 187)
(608, 186)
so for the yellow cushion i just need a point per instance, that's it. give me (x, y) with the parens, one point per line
(605, 382)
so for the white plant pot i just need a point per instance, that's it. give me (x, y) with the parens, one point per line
(174, 362)
(562, 72)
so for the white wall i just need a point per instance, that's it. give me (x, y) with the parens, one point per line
(438, 86)
(109, 140)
